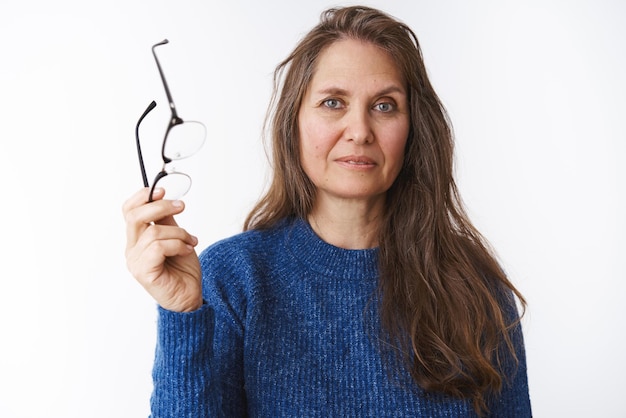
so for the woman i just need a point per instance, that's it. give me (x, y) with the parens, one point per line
(359, 288)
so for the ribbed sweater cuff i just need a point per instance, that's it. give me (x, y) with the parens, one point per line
(186, 334)
(182, 362)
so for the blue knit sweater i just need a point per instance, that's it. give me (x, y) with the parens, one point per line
(289, 328)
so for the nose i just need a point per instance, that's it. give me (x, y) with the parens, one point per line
(358, 127)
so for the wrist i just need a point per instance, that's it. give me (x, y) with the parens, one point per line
(182, 306)
(193, 307)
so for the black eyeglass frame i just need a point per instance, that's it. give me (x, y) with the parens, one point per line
(174, 121)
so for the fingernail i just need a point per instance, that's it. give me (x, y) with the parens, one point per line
(177, 203)
(158, 190)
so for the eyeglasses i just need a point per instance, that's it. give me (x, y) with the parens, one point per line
(182, 139)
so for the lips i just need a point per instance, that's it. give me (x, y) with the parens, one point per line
(356, 160)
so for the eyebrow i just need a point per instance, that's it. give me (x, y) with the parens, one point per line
(342, 92)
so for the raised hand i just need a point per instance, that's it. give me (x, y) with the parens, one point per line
(160, 254)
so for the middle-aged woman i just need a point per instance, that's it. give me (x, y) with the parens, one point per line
(359, 288)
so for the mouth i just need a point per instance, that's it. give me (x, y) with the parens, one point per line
(356, 161)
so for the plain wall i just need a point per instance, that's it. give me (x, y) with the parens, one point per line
(536, 93)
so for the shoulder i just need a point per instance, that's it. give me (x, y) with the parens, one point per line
(239, 271)
(247, 259)
(250, 245)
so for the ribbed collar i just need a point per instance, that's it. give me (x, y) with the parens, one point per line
(326, 259)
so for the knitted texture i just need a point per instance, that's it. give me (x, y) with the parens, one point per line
(290, 328)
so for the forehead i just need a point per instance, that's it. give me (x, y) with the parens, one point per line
(353, 61)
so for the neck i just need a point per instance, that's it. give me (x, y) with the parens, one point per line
(347, 225)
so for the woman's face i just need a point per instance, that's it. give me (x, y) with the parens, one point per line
(354, 122)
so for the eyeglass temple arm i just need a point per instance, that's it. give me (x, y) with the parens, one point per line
(144, 177)
(167, 89)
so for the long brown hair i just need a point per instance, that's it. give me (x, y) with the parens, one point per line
(440, 284)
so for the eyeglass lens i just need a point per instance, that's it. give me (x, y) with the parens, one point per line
(184, 140)
(175, 184)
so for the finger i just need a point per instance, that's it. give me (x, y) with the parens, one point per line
(147, 262)
(178, 205)
(158, 195)
(156, 233)
(139, 218)
(139, 198)
(166, 232)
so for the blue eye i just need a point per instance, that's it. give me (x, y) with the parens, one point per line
(384, 107)
(332, 103)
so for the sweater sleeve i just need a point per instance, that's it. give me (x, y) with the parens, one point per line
(198, 367)
(182, 365)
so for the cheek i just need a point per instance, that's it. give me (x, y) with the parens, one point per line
(315, 140)
(395, 145)
(309, 148)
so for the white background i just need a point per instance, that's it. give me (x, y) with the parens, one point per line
(536, 92)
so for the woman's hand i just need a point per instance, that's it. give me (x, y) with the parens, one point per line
(160, 254)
